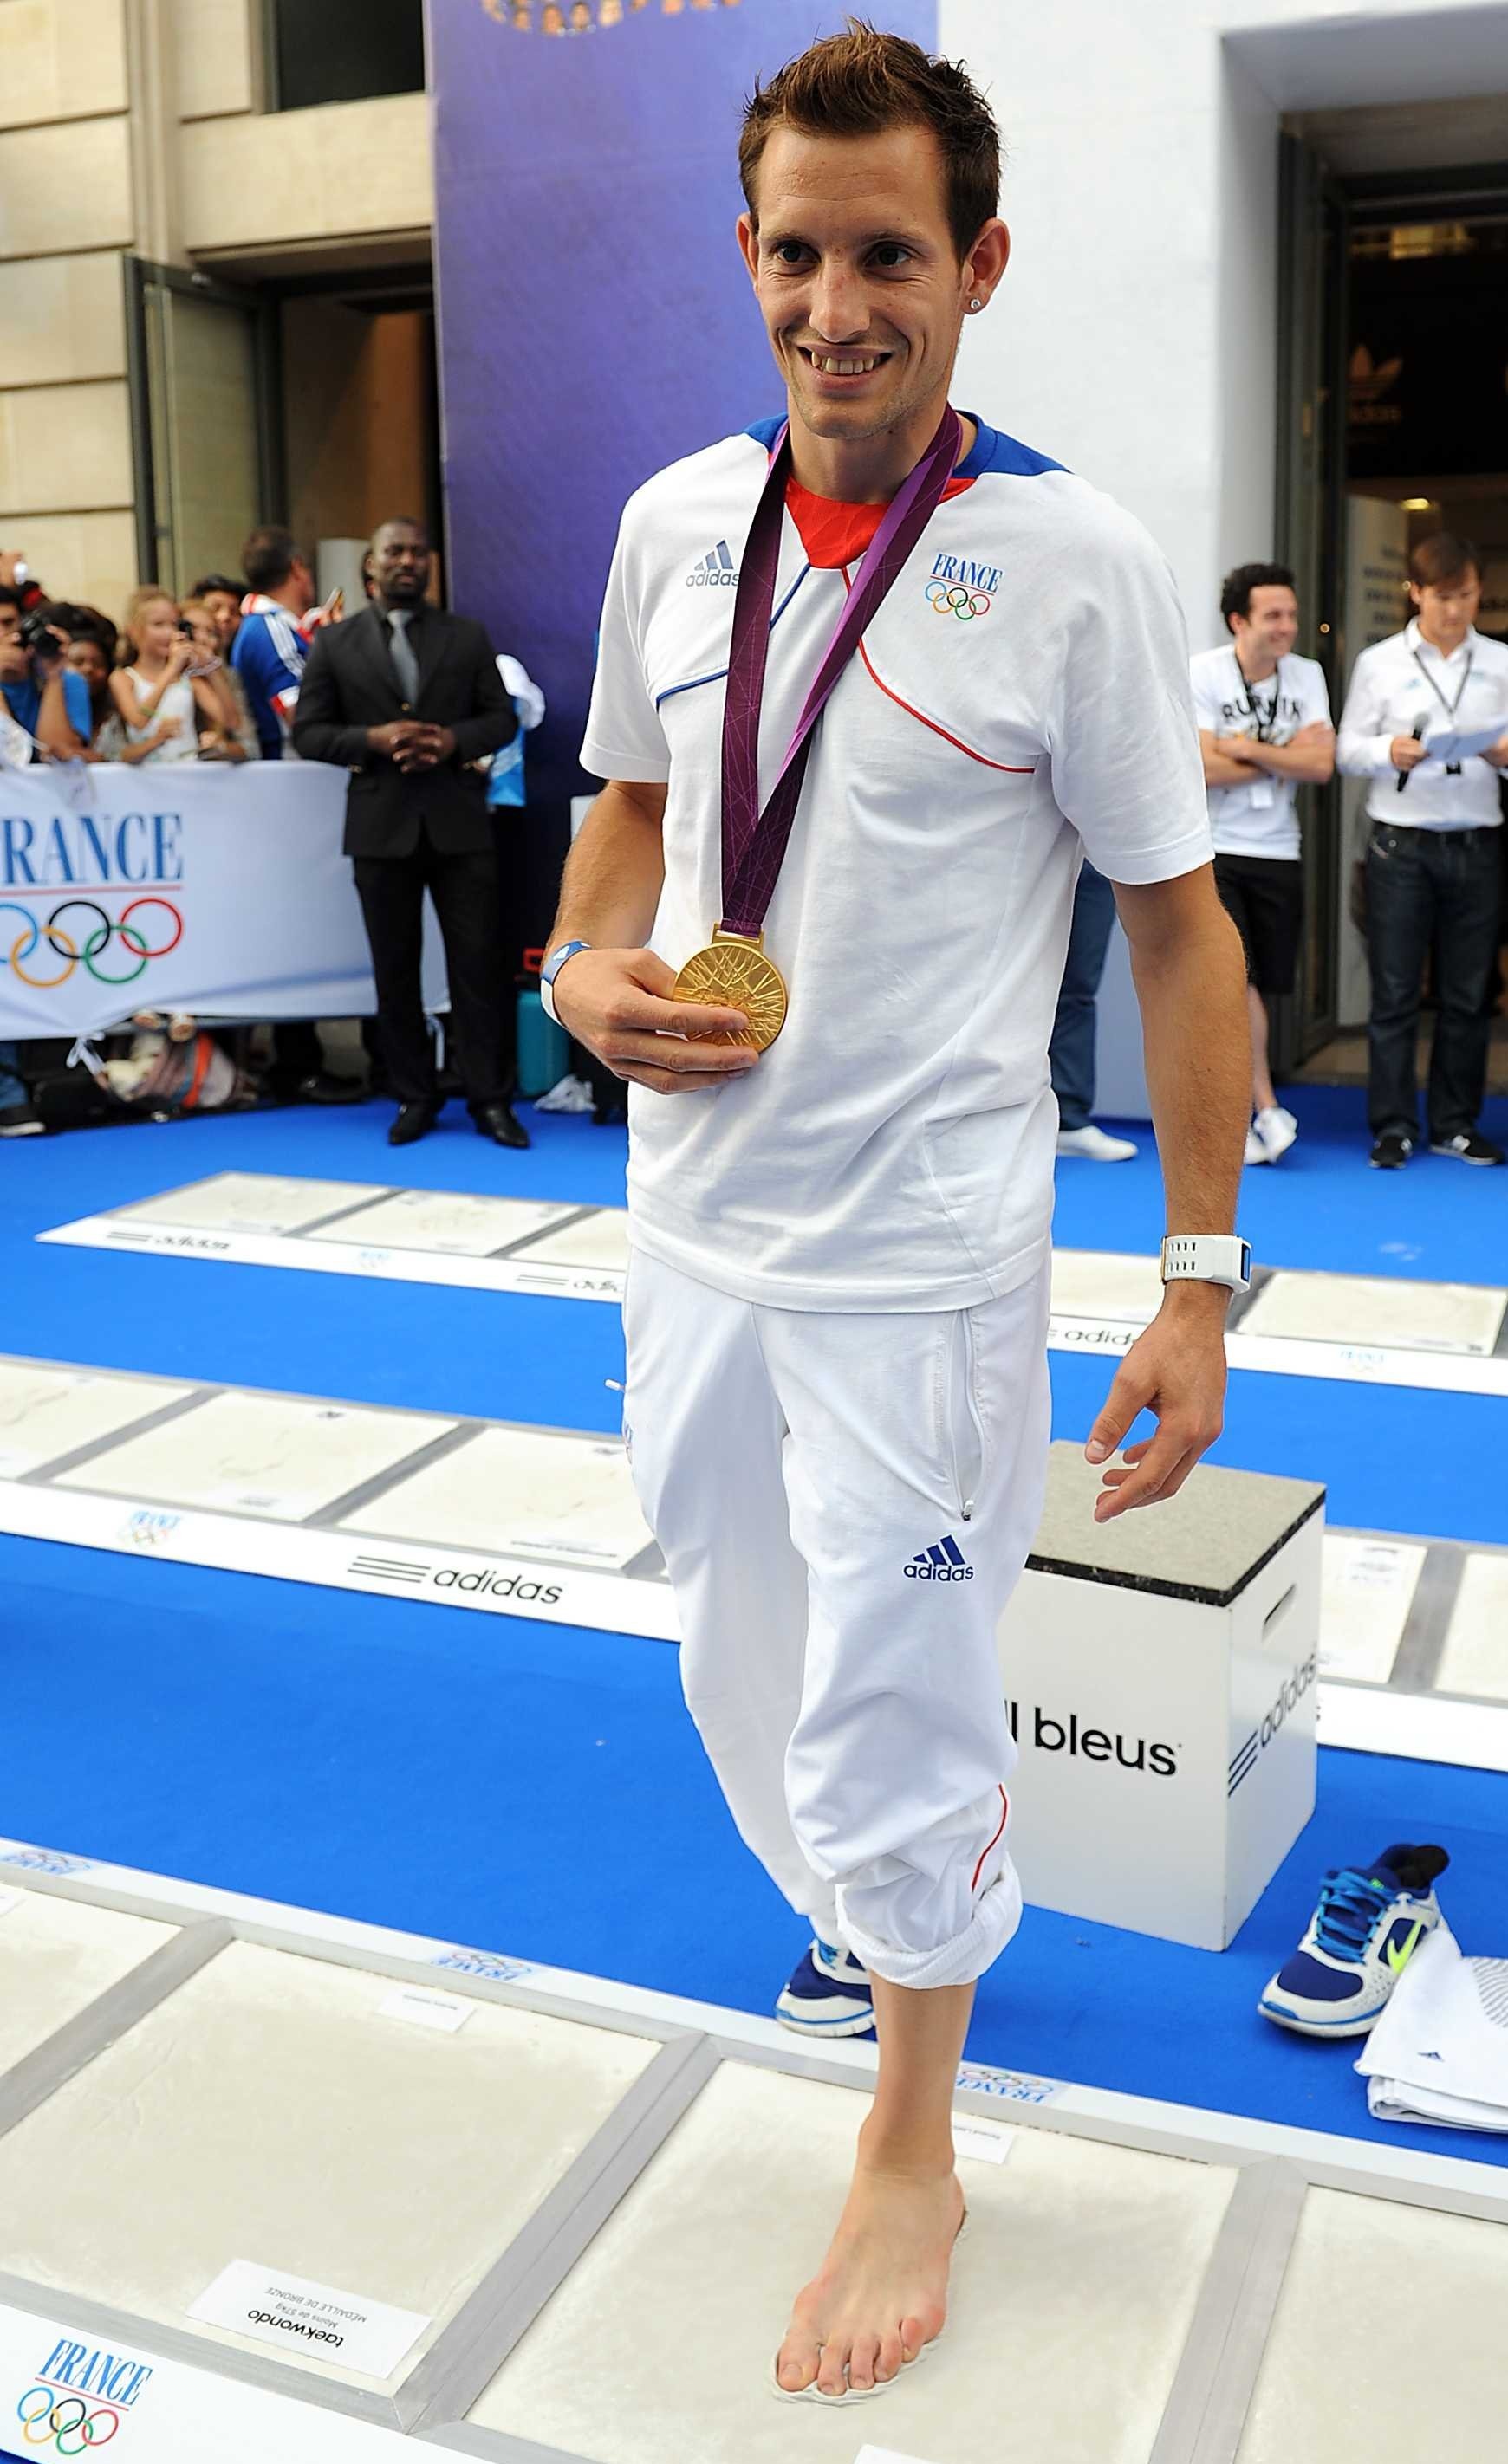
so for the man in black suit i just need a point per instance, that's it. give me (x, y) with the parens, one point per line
(409, 697)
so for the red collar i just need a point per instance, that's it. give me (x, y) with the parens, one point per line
(835, 533)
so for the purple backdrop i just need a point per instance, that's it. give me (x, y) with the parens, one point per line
(594, 319)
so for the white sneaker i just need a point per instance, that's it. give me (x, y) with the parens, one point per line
(1276, 1130)
(1096, 1146)
(1256, 1152)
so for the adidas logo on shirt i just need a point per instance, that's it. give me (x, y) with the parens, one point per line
(717, 571)
(942, 1563)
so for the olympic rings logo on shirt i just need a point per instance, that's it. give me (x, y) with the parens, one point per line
(48, 2422)
(97, 940)
(951, 599)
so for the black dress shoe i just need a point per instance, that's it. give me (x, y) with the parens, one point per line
(413, 1121)
(500, 1123)
(321, 1087)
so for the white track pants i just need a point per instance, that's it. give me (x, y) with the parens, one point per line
(845, 1503)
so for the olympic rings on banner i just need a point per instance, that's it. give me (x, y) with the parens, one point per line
(132, 938)
(951, 599)
(51, 2424)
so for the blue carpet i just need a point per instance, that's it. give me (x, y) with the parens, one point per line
(539, 1790)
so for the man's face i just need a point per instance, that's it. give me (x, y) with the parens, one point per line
(1447, 610)
(1269, 626)
(15, 660)
(400, 562)
(857, 275)
(225, 609)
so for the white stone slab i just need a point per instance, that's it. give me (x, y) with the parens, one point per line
(250, 1201)
(598, 1240)
(269, 2110)
(1072, 2296)
(565, 1498)
(270, 1455)
(56, 1956)
(1367, 1592)
(1328, 2390)
(1106, 1284)
(1474, 1659)
(1378, 1309)
(45, 1412)
(449, 1222)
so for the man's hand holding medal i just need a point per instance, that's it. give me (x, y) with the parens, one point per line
(619, 1003)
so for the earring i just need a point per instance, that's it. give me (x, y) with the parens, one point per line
(974, 306)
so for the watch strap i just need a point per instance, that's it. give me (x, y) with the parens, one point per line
(1208, 1257)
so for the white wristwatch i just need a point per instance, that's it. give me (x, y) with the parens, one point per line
(1208, 1257)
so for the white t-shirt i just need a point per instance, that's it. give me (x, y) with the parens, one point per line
(1258, 819)
(893, 1149)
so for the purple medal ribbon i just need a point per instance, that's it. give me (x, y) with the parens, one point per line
(754, 842)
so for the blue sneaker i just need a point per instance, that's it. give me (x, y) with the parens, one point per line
(828, 1996)
(1369, 1922)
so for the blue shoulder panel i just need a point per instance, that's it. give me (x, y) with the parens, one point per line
(765, 431)
(993, 450)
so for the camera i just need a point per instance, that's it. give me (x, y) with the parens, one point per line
(38, 637)
(185, 629)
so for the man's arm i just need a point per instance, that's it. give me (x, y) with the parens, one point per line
(614, 998)
(54, 729)
(1229, 759)
(320, 731)
(1308, 756)
(1190, 981)
(1365, 743)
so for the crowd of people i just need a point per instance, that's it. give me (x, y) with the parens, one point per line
(1426, 723)
(218, 677)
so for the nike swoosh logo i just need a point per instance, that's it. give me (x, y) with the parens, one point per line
(1398, 1959)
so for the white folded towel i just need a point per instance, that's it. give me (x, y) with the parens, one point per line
(1439, 2053)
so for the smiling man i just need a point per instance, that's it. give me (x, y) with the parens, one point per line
(865, 690)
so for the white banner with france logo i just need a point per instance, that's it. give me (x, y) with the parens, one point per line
(180, 886)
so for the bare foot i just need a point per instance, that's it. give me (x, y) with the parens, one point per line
(881, 2293)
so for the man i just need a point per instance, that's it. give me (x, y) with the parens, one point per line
(1071, 1053)
(42, 696)
(411, 699)
(1264, 728)
(268, 647)
(1433, 862)
(222, 597)
(272, 641)
(837, 1301)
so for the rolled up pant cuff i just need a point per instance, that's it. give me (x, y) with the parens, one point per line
(997, 1913)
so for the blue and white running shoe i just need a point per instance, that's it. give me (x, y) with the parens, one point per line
(1369, 1922)
(829, 1995)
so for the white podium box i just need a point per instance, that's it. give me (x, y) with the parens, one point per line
(1160, 1673)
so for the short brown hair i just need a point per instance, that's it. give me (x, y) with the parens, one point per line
(858, 83)
(1442, 558)
(267, 556)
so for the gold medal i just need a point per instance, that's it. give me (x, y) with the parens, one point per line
(733, 973)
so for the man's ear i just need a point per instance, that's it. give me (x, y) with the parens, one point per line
(749, 244)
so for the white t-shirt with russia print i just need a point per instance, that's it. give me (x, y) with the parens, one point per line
(893, 1149)
(1259, 819)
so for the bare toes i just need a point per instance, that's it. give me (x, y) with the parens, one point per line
(861, 2363)
(797, 2365)
(889, 2362)
(913, 2336)
(833, 2376)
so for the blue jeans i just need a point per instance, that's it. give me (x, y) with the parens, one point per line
(12, 1090)
(1070, 1055)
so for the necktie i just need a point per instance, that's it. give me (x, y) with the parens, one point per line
(405, 666)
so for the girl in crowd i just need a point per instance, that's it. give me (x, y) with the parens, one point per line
(210, 660)
(158, 697)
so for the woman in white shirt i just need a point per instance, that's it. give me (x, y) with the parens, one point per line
(156, 694)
